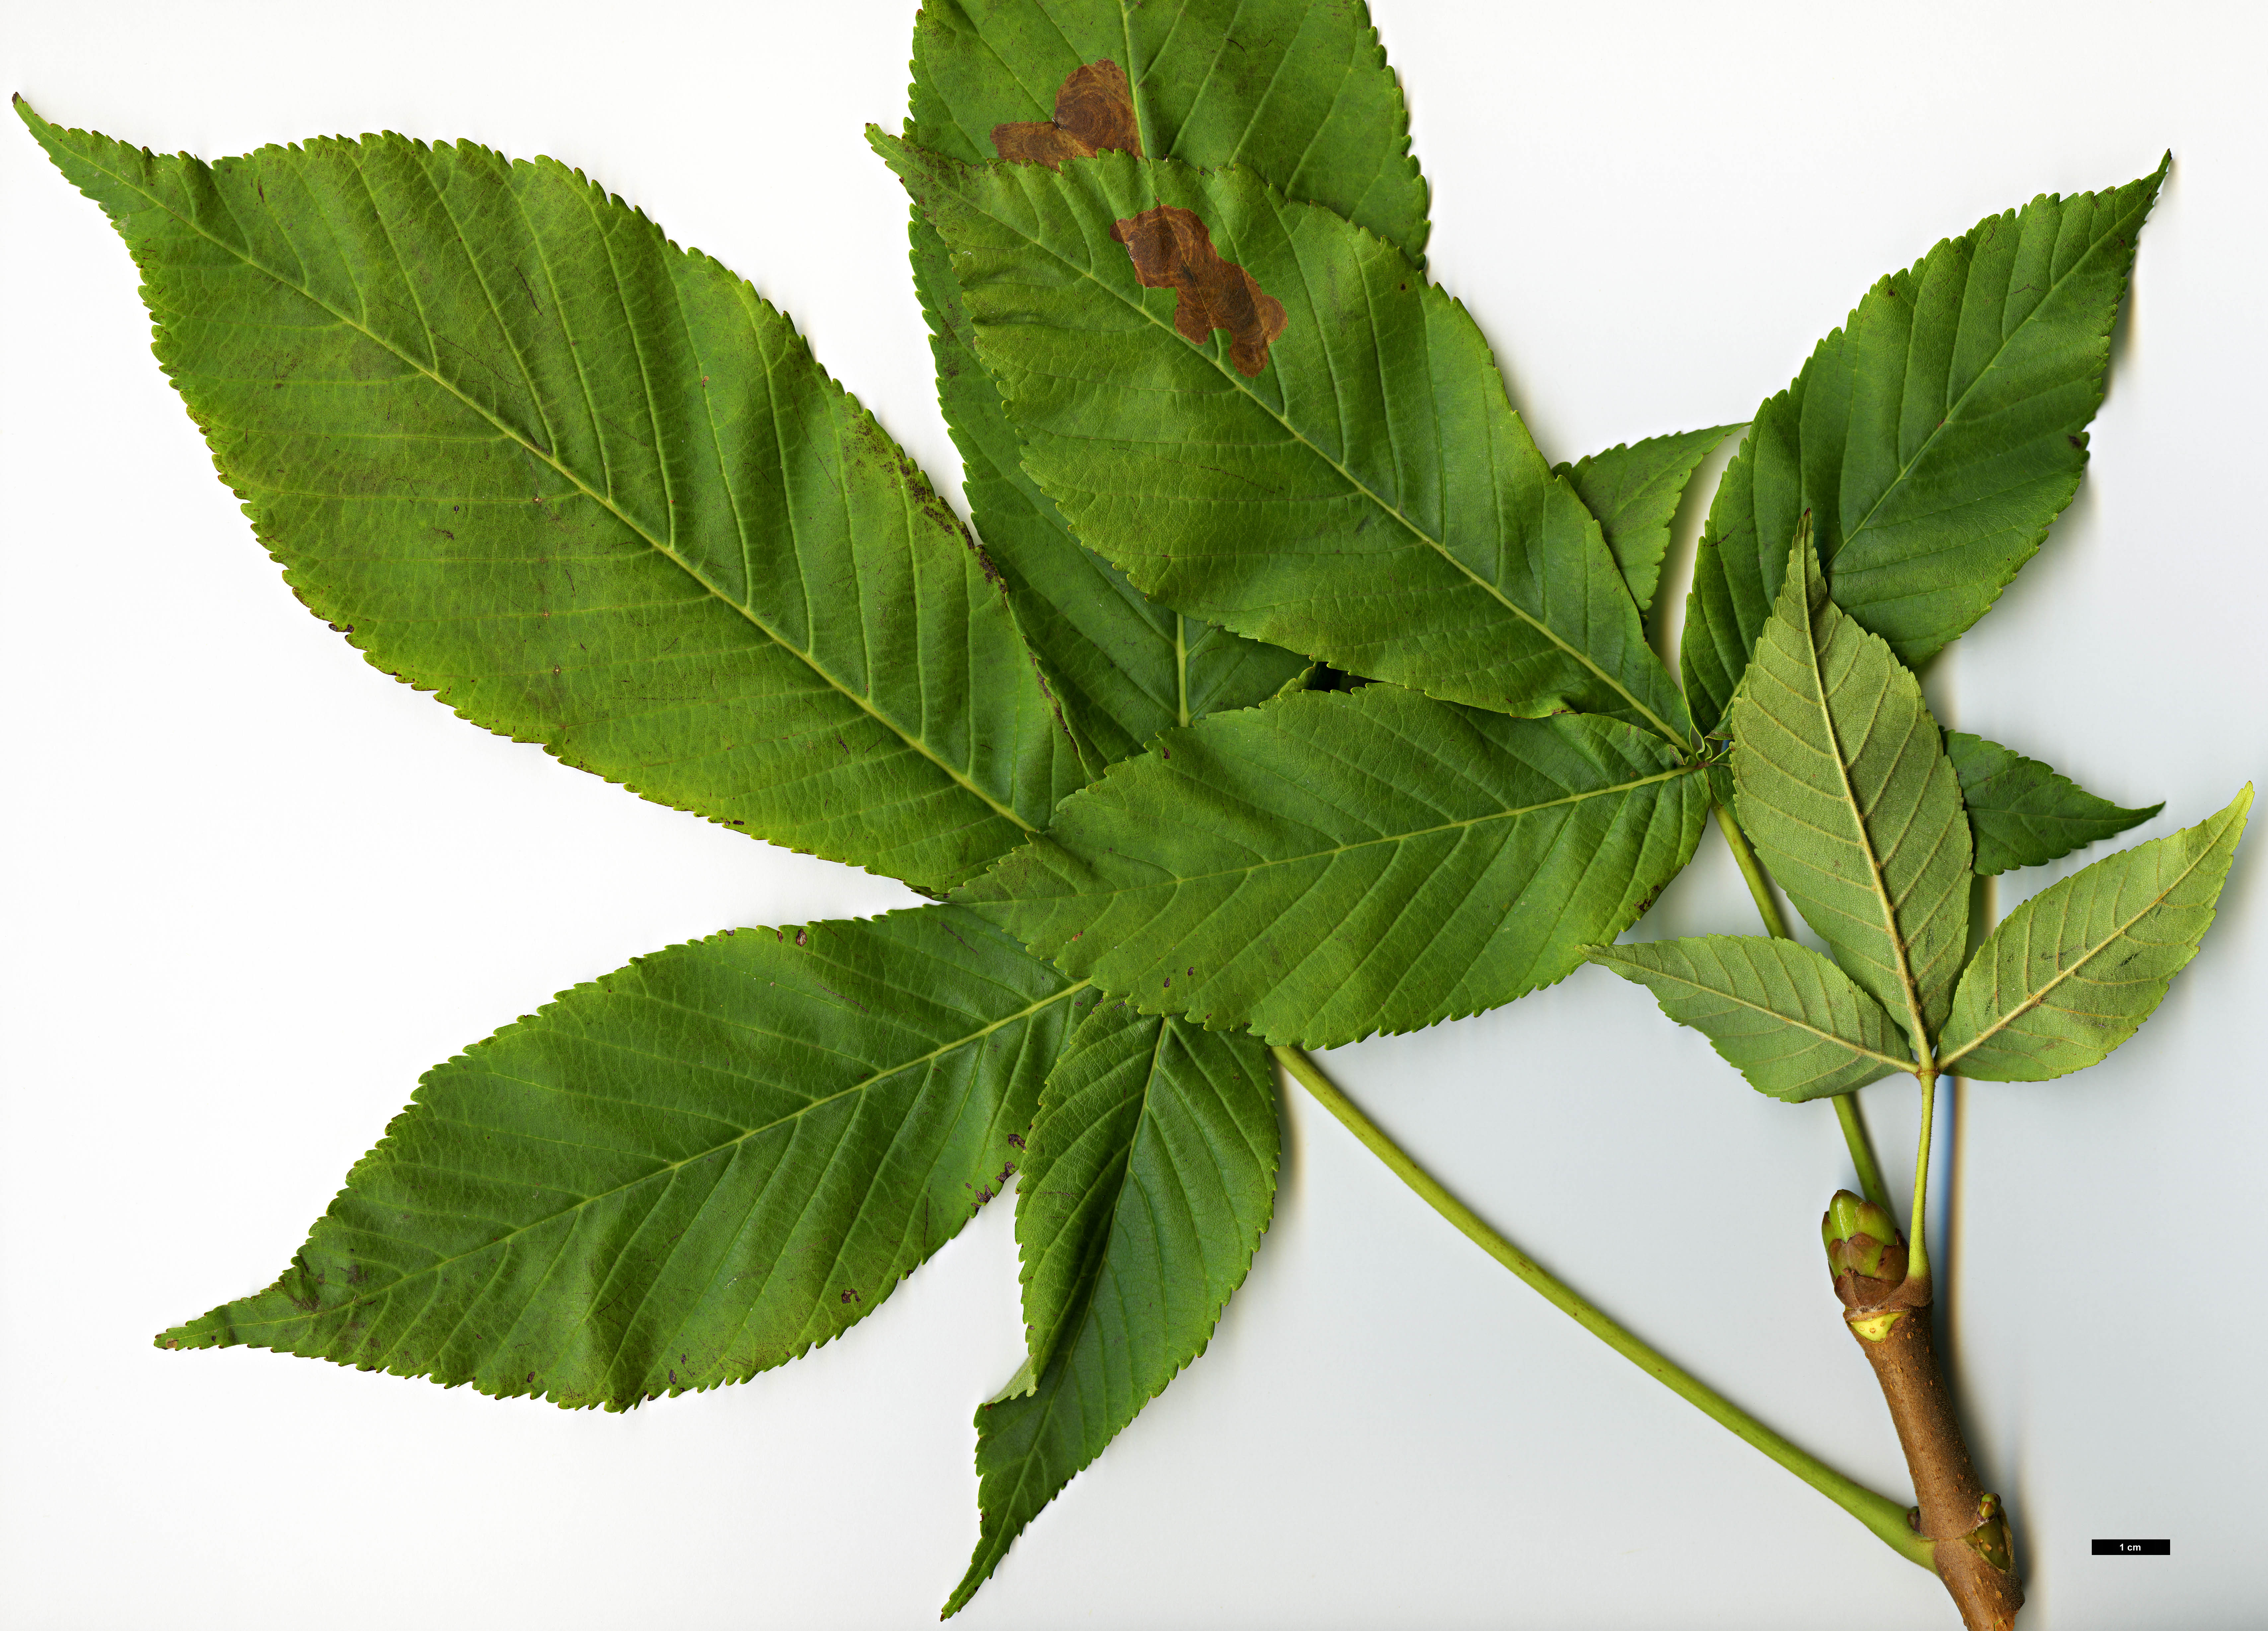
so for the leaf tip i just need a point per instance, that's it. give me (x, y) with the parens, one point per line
(196, 1334)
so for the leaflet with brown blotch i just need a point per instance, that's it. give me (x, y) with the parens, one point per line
(1173, 249)
(1095, 110)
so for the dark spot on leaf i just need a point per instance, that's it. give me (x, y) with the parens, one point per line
(1016, 1139)
(802, 939)
(1173, 249)
(1094, 109)
(2076, 442)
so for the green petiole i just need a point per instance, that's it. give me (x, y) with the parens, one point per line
(1884, 1517)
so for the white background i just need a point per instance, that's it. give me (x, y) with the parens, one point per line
(255, 888)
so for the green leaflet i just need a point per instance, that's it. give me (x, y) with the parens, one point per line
(1123, 668)
(1151, 1176)
(1842, 786)
(1302, 94)
(1344, 477)
(2075, 971)
(588, 488)
(1933, 438)
(2023, 814)
(1299, 92)
(1780, 1014)
(1635, 490)
(1334, 864)
(687, 1171)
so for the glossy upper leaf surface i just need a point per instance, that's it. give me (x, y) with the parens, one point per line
(590, 489)
(1357, 487)
(687, 1171)
(1634, 490)
(1151, 1176)
(1932, 438)
(1302, 94)
(1781, 1015)
(1335, 864)
(2023, 814)
(2075, 971)
(1842, 783)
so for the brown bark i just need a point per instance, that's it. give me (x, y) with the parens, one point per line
(1974, 1556)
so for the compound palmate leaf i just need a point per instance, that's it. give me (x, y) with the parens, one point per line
(1333, 864)
(689, 1171)
(590, 489)
(1151, 1176)
(2075, 970)
(1780, 1014)
(1634, 490)
(1301, 93)
(2023, 814)
(1342, 474)
(1932, 438)
(1842, 782)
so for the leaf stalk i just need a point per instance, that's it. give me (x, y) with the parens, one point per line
(1753, 872)
(1885, 1519)
(1917, 1255)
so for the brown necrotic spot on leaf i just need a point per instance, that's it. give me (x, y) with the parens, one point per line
(1095, 110)
(1171, 249)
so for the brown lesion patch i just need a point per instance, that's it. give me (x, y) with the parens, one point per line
(1173, 249)
(1095, 110)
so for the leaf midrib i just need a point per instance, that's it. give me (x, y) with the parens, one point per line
(605, 503)
(663, 1171)
(1211, 355)
(1179, 879)
(1952, 410)
(1090, 1279)
(2039, 997)
(1074, 1326)
(1917, 1032)
(1786, 1019)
